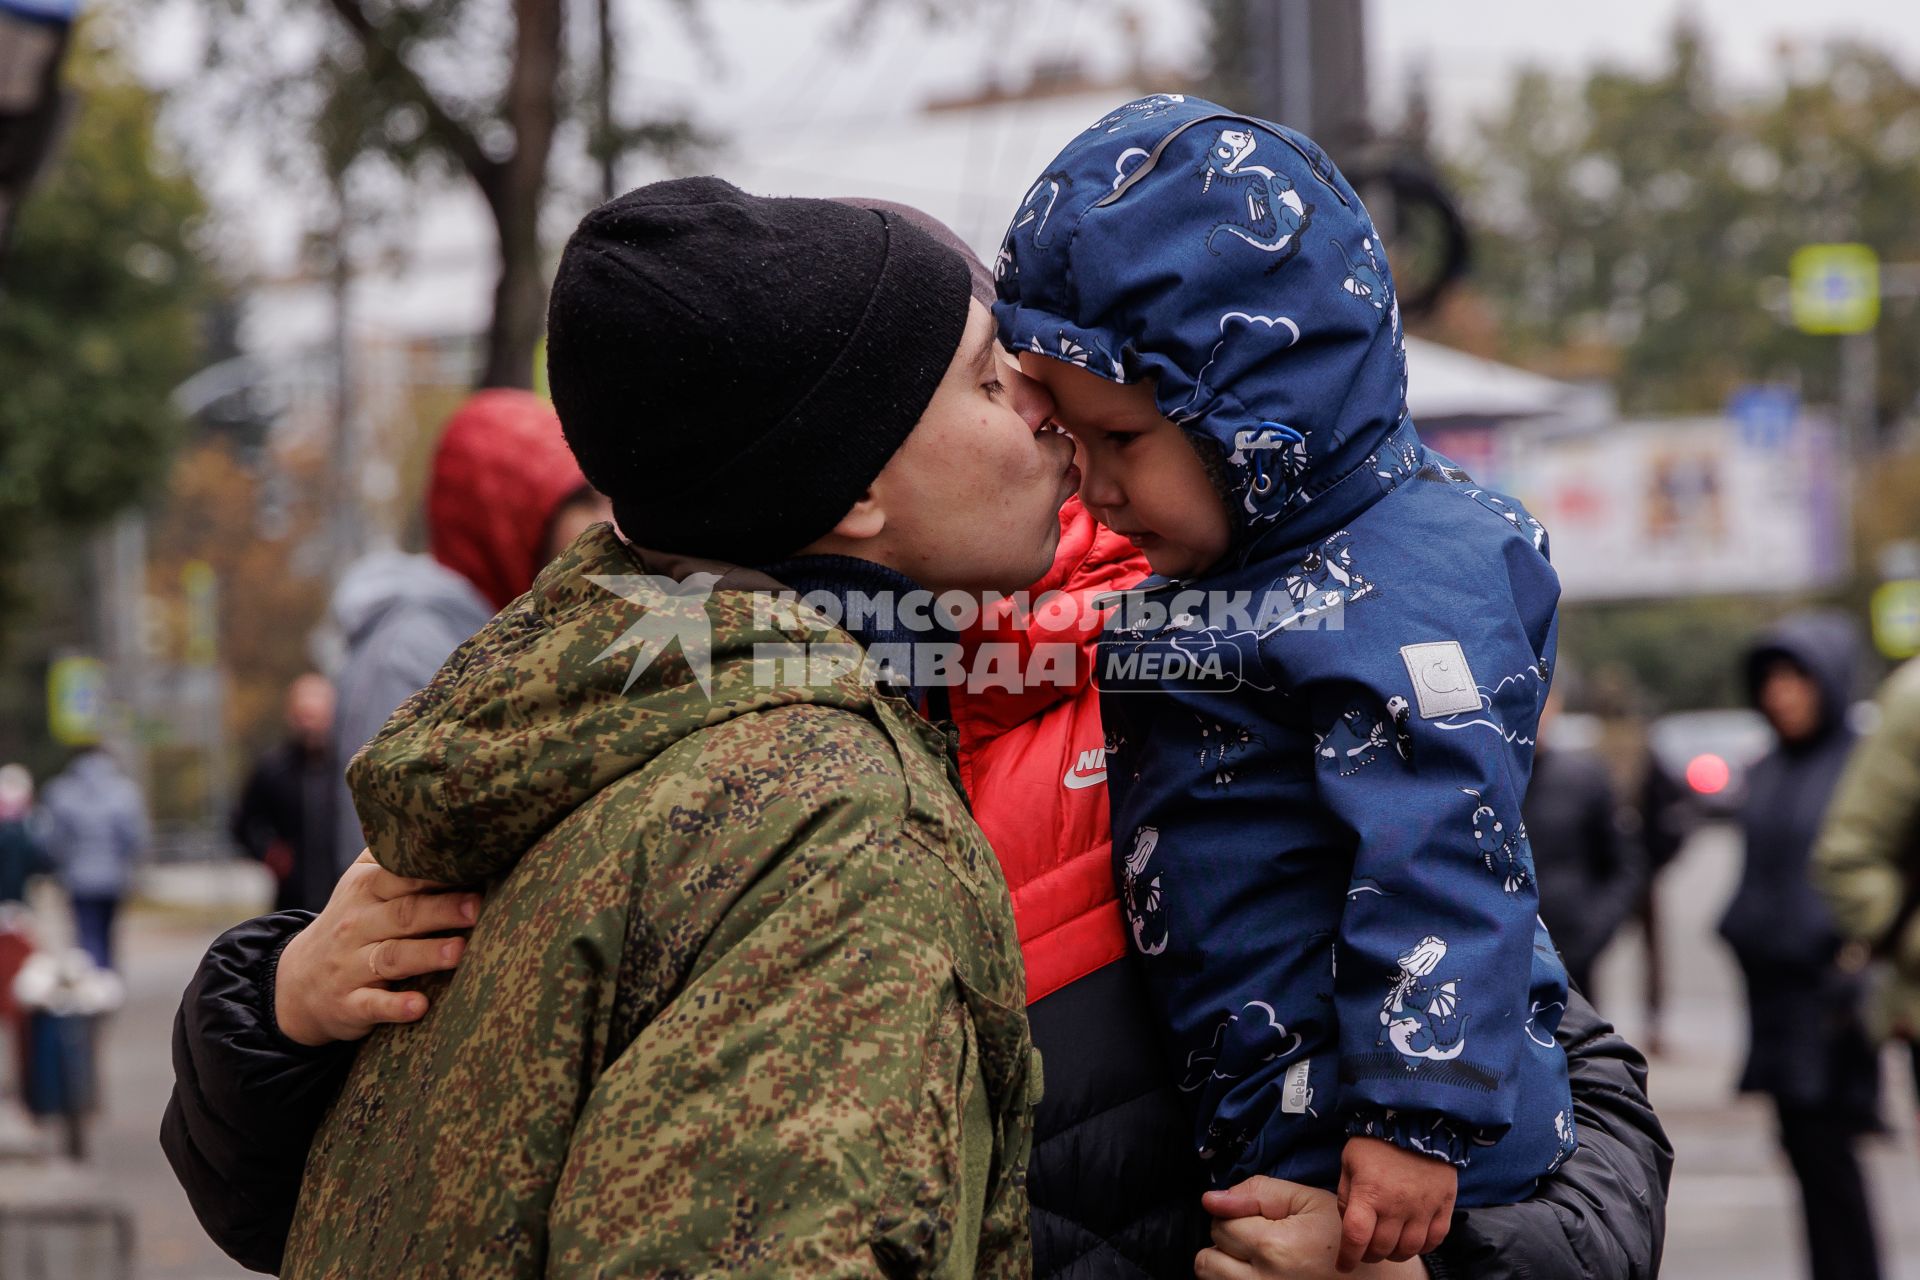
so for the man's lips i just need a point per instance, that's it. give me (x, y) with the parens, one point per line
(1069, 473)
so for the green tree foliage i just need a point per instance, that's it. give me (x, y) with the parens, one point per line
(101, 313)
(1641, 222)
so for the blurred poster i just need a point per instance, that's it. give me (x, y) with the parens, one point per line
(1687, 506)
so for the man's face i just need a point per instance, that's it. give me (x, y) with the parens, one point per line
(309, 711)
(972, 498)
(1790, 700)
(1139, 474)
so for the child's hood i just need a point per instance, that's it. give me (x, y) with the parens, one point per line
(1228, 260)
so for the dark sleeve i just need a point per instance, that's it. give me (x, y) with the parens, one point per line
(1603, 1216)
(246, 1100)
(247, 827)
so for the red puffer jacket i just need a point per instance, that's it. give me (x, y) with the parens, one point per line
(1113, 1180)
(1035, 762)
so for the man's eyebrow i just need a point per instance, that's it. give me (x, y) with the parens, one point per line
(984, 352)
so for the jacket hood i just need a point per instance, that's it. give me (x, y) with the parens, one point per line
(500, 472)
(375, 585)
(612, 657)
(1226, 259)
(1824, 644)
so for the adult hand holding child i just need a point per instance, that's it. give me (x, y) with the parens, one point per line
(1268, 1229)
(332, 979)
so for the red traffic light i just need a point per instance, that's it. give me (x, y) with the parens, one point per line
(1708, 774)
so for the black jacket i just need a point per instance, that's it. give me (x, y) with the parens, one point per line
(1806, 1046)
(288, 808)
(1590, 873)
(247, 1102)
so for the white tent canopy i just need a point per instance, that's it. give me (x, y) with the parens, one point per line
(1444, 385)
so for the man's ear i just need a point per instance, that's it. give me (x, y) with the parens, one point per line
(863, 521)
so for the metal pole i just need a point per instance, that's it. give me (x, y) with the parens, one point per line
(1859, 386)
(609, 150)
(344, 535)
(1307, 67)
(120, 623)
(1296, 94)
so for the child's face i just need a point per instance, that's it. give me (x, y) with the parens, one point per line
(1138, 474)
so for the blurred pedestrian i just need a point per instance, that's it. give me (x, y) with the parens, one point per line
(1808, 1050)
(22, 855)
(1666, 822)
(1868, 860)
(285, 818)
(95, 830)
(503, 498)
(1591, 874)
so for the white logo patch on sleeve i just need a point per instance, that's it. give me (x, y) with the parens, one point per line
(1442, 682)
(1296, 1096)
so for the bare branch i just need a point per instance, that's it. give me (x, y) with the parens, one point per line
(384, 59)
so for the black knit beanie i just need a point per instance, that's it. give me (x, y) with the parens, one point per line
(732, 371)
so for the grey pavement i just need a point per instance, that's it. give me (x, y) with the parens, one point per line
(1734, 1213)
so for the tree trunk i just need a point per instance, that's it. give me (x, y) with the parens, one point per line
(519, 308)
(514, 190)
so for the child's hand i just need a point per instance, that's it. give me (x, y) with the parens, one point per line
(1394, 1204)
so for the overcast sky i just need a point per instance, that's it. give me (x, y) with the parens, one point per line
(794, 97)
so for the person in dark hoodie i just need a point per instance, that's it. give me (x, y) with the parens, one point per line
(1341, 663)
(1807, 1048)
(1591, 872)
(1114, 1189)
(504, 496)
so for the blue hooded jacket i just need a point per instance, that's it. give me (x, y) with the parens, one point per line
(1316, 750)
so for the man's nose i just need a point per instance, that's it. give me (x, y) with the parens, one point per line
(1031, 399)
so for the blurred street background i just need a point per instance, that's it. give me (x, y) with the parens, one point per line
(1660, 271)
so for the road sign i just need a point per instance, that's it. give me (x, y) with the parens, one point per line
(1765, 414)
(1896, 618)
(76, 701)
(49, 10)
(1836, 288)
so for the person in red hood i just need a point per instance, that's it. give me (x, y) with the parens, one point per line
(504, 496)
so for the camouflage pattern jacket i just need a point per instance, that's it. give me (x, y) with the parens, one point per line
(745, 996)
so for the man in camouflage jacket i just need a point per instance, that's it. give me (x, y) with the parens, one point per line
(1867, 863)
(745, 995)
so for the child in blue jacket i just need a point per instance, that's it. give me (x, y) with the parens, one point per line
(1321, 709)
